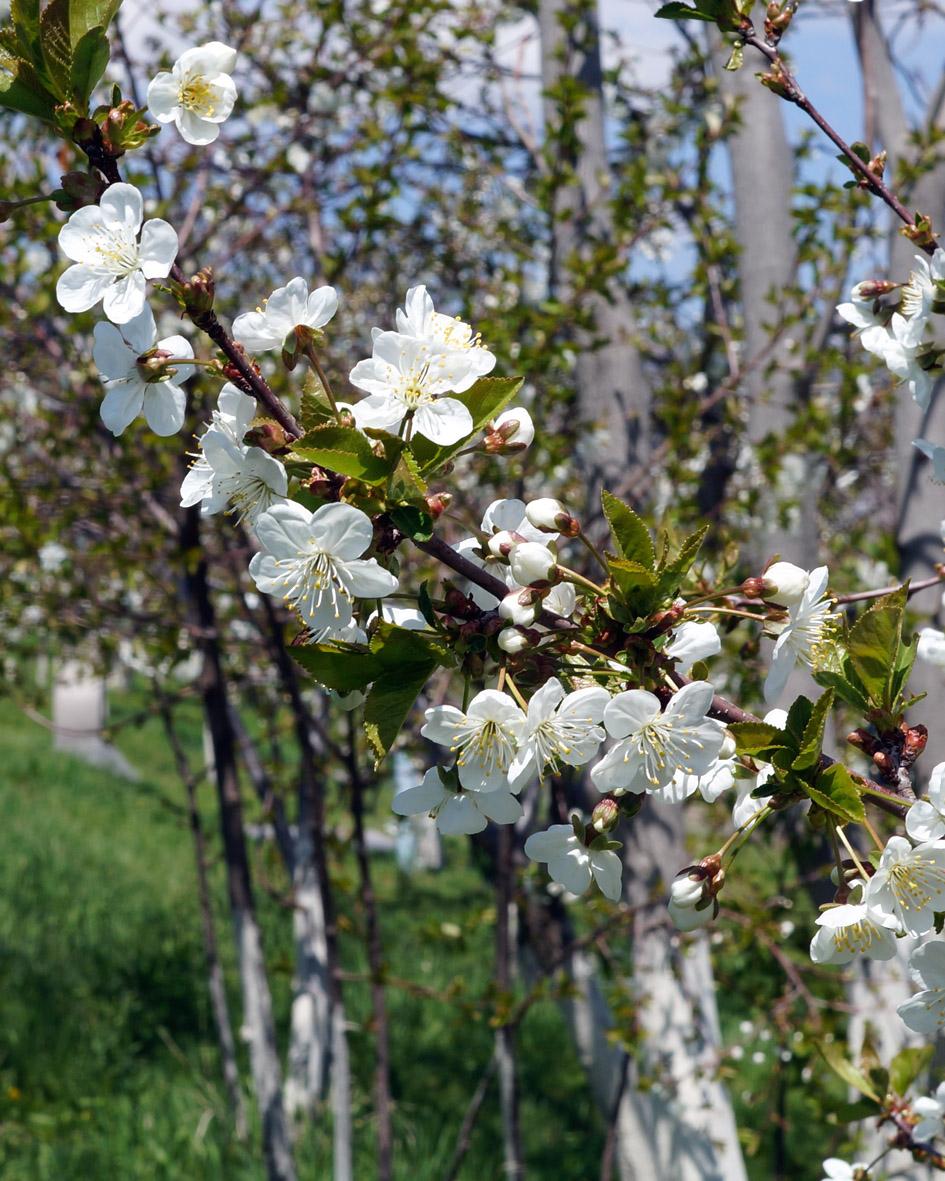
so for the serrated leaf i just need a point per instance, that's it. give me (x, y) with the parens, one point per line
(22, 89)
(847, 688)
(340, 449)
(635, 585)
(873, 645)
(315, 409)
(487, 398)
(425, 605)
(337, 665)
(908, 1065)
(89, 63)
(798, 716)
(812, 742)
(56, 46)
(673, 570)
(757, 739)
(413, 521)
(406, 482)
(836, 791)
(85, 15)
(851, 1075)
(902, 668)
(632, 539)
(25, 17)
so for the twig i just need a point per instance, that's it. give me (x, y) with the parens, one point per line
(469, 1120)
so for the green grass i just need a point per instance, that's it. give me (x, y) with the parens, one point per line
(108, 1065)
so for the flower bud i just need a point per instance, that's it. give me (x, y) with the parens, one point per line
(267, 436)
(550, 516)
(511, 433)
(501, 544)
(687, 890)
(521, 607)
(872, 289)
(691, 918)
(530, 561)
(438, 503)
(606, 815)
(785, 583)
(513, 641)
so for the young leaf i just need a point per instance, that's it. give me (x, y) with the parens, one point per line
(908, 1065)
(57, 48)
(406, 660)
(836, 791)
(843, 1067)
(873, 645)
(22, 89)
(812, 742)
(337, 665)
(631, 537)
(758, 739)
(340, 449)
(847, 686)
(672, 571)
(88, 65)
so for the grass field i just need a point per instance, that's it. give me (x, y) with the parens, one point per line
(108, 1065)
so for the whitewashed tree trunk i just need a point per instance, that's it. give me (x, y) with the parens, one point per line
(79, 711)
(310, 1034)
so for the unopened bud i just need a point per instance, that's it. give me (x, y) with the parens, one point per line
(531, 562)
(521, 607)
(513, 641)
(197, 295)
(267, 436)
(871, 289)
(79, 188)
(916, 738)
(606, 815)
(511, 432)
(785, 583)
(501, 544)
(550, 516)
(438, 503)
(863, 740)
(753, 588)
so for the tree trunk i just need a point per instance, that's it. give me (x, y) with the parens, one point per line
(258, 1024)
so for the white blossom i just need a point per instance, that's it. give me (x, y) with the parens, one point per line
(788, 583)
(232, 473)
(804, 637)
(484, 738)
(531, 562)
(693, 641)
(851, 928)
(918, 294)
(447, 334)
(834, 1168)
(273, 325)
(654, 745)
(931, 1112)
(908, 886)
(110, 263)
(689, 905)
(408, 376)
(925, 1012)
(197, 94)
(516, 426)
(925, 820)
(559, 728)
(573, 864)
(904, 355)
(134, 389)
(457, 811)
(312, 561)
(931, 646)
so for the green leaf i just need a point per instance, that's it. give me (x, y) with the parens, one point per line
(406, 482)
(812, 743)
(677, 11)
(25, 17)
(425, 604)
(631, 537)
(737, 58)
(843, 1067)
(851, 1113)
(341, 449)
(56, 46)
(836, 791)
(673, 571)
(908, 1065)
(413, 521)
(873, 645)
(315, 408)
(21, 89)
(846, 685)
(337, 665)
(902, 668)
(487, 398)
(85, 15)
(88, 65)
(406, 659)
(757, 739)
(799, 715)
(635, 584)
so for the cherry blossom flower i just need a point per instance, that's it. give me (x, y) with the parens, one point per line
(834, 1168)
(197, 93)
(312, 561)
(273, 325)
(245, 477)
(456, 810)
(449, 335)
(559, 728)
(145, 387)
(693, 641)
(407, 376)
(851, 928)
(711, 784)
(690, 905)
(925, 820)
(787, 582)
(110, 263)
(654, 745)
(925, 1012)
(908, 886)
(919, 293)
(485, 738)
(573, 864)
(906, 357)
(931, 1112)
(805, 637)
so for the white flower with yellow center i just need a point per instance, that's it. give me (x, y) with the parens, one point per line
(925, 1012)
(805, 637)
(197, 94)
(406, 379)
(419, 319)
(456, 810)
(908, 887)
(312, 561)
(273, 325)
(559, 728)
(484, 738)
(655, 745)
(111, 265)
(851, 928)
(573, 864)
